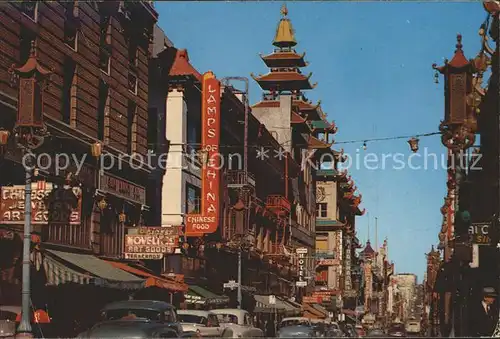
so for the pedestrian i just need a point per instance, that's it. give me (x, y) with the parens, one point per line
(485, 314)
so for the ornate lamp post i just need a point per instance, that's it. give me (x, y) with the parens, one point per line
(29, 132)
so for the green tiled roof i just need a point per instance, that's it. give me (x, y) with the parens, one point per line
(326, 172)
(320, 124)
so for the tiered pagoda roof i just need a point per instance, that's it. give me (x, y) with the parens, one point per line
(368, 251)
(284, 62)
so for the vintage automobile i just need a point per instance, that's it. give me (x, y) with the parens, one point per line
(297, 331)
(296, 327)
(203, 322)
(237, 323)
(136, 319)
(295, 321)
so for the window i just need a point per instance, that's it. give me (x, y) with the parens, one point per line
(321, 210)
(103, 116)
(70, 35)
(213, 321)
(132, 126)
(68, 103)
(26, 39)
(105, 44)
(153, 128)
(193, 195)
(170, 316)
(30, 9)
(132, 82)
(133, 53)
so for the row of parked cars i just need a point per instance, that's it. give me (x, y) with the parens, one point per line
(157, 319)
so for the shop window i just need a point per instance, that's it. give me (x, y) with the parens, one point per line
(103, 112)
(321, 210)
(69, 92)
(30, 9)
(132, 127)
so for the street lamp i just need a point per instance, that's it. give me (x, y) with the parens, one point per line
(29, 131)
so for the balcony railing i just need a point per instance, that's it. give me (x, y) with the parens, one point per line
(239, 179)
(278, 203)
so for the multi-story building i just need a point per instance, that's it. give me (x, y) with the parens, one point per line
(95, 109)
(251, 216)
(407, 283)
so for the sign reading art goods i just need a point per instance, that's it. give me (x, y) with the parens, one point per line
(151, 242)
(208, 220)
(61, 209)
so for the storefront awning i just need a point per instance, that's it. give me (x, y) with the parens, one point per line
(151, 279)
(199, 295)
(98, 272)
(263, 306)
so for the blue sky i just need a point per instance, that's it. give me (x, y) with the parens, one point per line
(372, 62)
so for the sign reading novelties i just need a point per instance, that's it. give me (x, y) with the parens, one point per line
(207, 221)
(151, 242)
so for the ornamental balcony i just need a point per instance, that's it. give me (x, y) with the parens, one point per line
(240, 179)
(278, 204)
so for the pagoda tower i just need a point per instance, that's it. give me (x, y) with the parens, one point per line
(283, 103)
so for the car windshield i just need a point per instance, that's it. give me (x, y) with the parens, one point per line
(294, 322)
(132, 314)
(227, 318)
(397, 328)
(192, 319)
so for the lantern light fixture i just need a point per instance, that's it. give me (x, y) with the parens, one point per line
(96, 149)
(203, 156)
(4, 137)
(185, 246)
(413, 142)
(364, 146)
(102, 204)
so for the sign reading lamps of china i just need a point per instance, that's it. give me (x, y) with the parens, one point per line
(207, 221)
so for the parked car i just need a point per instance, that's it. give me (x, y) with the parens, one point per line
(297, 331)
(397, 330)
(376, 333)
(136, 319)
(8, 315)
(334, 331)
(203, 322)
(236, 323)
(295, 321)
(412, 326)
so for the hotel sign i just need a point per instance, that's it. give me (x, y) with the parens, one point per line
(151, 242)
(62, 209)
(302, 252)
(208, 220)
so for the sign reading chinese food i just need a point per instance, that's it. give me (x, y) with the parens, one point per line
(151, 242)
(207, 221)
(48, 204)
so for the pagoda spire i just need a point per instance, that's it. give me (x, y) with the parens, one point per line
(285, 36)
